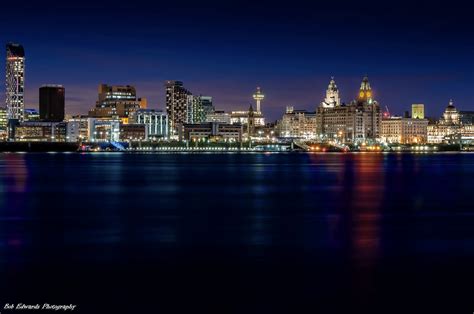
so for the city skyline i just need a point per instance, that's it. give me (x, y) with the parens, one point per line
(411, 54)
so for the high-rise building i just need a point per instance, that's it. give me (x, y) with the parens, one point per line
(117, 101)
(207, 106)
(357, 122)
(332, 95)
(176, 105)
(418, 111)
(3, 122)
(15, 81)
(51, 102)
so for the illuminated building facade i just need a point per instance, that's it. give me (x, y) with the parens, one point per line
(156, 122)
(448, 129)
(133, 132)
(212, 131)
(404, 130)
(103, 130)
(51, 102)
(418, 111)
(41, 131)
(117, 101)
(176, 105)
(358, 122)
(219, 116)
(297, 124)
(332, 95)
(3, 123)
(78, 129)
(15, 81)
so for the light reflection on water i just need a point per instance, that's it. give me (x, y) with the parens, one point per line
(357, 211)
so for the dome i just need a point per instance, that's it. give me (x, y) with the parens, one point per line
(450, 107)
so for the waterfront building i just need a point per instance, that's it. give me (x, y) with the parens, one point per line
(297, 124)
(103, 130)
(41, 131)
(212, 131)
(31, 115)
(448, 128)
(219, 116)
(404, 130)
(15, 81)
(418, 111)
(117, 102)
(156, 122)
(242, 117)
(77, 129)
(51, 102)
(176, 105)
(3, 123)
(358, 122)
(133, 132)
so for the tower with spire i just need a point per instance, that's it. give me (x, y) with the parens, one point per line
(332, 95)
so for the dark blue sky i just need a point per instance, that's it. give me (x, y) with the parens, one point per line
(413, 51)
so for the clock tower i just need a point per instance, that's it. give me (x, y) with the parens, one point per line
(365, 92)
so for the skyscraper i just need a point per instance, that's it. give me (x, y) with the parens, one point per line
(15, 81)
(176, 105)
(51, 102)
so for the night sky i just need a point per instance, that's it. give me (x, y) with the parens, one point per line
(413, 51)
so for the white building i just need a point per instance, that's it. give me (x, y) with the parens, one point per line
(156, 122)
(103, 130)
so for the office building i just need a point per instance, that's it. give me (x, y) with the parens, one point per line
(133, 132)
(117, 102)
(404, 130)
(51, 102)
(176, 105)
(418, 111)
(103, 130)
(3, 123)
(297, 124)
(15, 81)
(77, 129)
(41, 131)
(211, 131)
(207, 106)
(156, 122)
(357, 122)
(218, 116)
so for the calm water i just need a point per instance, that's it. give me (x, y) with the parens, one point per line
(238, 233)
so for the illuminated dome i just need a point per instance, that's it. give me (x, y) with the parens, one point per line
(451, 114)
